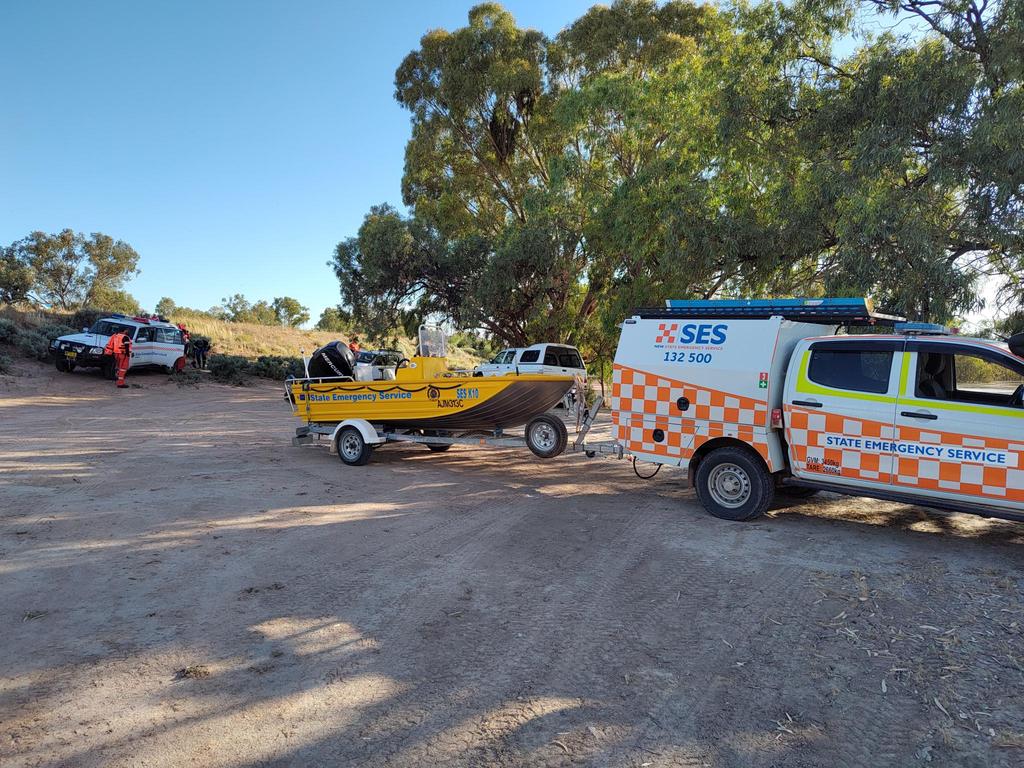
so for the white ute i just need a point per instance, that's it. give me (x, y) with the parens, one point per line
(755, 397)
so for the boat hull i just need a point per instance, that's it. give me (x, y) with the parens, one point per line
(458, 404)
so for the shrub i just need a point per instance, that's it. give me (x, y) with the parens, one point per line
(8, 331)
(86, 316)
(276, 367)
(229, 369)
(32, 344)
(55, 330)
(5, 363)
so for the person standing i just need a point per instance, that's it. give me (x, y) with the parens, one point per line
(354, 344)
(119, 347)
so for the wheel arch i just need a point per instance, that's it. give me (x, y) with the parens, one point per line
(370, 436)
(721, 442)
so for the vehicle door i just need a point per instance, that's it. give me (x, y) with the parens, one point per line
(170, 345)
(143, 347)
(962, 401)
(840, 410)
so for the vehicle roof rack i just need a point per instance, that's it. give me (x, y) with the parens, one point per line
(849, 311)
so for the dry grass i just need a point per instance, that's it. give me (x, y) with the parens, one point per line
(249, 340)
(245, 339)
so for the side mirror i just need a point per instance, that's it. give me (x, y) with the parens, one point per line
(85, 330)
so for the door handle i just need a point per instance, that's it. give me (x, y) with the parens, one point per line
(918, 415)
(808, 403)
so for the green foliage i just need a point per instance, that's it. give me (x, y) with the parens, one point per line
(276, 367)
(335, 319)
(16, 277)
(86, 316)
(68, 269)
(236, 370)
(8, 330)
(238, 309)
(55, 330)
(290, 312)
(229, 369)
(652, 151)
(476, 343)
(6, 363)
(32, 344)
(165, 307)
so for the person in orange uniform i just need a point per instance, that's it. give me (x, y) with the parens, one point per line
(120, 347)
(354, 344)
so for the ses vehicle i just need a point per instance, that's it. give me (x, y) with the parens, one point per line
(755, 397)
(544, 359)
(155, 343)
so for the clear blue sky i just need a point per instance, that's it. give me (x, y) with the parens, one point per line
(233, 144)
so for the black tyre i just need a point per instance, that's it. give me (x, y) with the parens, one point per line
(439, 447)
(352, 448)
(64, 365)
(546, 436)
(108, 370)
(797, 491)
(733, 484)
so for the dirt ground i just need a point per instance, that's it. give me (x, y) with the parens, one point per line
(181, 586)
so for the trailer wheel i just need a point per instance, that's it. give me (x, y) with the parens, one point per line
(439, 447)
(352, 448)
(546, 436)
(732, 484)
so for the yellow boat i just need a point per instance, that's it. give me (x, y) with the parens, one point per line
(424, 395)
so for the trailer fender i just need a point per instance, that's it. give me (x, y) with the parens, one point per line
(366, 429)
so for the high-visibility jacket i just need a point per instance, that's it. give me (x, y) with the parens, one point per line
(118, 344)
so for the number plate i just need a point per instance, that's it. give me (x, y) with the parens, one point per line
(71, 355)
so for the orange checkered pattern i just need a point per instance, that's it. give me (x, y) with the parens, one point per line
(643, 402)
(805, 431)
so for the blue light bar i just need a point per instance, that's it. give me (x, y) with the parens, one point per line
(839, 311)
(925, 329)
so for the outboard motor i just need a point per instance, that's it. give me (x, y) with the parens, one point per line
(333, 359)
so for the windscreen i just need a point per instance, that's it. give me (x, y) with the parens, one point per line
(109, 328)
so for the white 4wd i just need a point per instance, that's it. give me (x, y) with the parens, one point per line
(154, 343)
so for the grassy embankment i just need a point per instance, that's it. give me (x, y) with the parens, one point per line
(30, 331)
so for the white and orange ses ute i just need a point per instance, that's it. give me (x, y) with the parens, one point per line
(760, 396)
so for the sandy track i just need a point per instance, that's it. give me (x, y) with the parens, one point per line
(467, 608)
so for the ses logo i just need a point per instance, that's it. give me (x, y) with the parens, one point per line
(691, 334)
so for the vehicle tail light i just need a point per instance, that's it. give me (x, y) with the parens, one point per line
(777, 418)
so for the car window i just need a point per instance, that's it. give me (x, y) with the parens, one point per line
(976, 374)
(145, 334)
(550, 358)
(503, 357)
(530, 356)
(851, 369)
(962, 375)
(168, 335)
(569, 357)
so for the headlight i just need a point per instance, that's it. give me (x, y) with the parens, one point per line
(96, 351)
